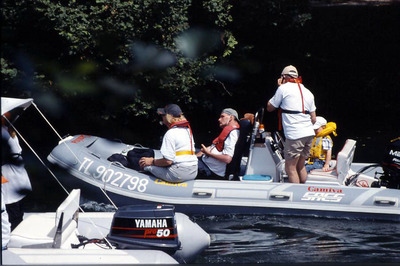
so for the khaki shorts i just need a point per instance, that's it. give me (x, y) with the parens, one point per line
(295, 148)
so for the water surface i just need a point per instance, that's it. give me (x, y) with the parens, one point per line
(278, 239)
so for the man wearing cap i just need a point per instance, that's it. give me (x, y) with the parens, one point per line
(213, 159)
(298, 116)
(179, 162)
(321, 148)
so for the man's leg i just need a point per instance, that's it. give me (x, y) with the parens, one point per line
(301, 169)
(290, 167)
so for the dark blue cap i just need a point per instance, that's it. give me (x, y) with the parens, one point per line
(171, 109)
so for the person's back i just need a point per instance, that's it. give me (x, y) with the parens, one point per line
(176, 147)
(297, 105)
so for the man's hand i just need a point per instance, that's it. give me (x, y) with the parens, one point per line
(205, 150)
(325, 168)
(146, 161)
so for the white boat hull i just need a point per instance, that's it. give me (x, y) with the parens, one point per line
(323, 195)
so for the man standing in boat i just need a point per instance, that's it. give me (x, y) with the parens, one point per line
(213, 159)
(297, 105)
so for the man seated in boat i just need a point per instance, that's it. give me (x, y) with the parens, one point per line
(213, 159)
(321, 148)
(179, 162)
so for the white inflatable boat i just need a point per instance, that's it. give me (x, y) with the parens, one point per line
(256, 182)
(256, 185)
(132, 235)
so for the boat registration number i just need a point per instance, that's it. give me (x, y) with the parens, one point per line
(115, 178)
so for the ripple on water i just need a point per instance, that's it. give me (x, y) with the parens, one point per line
(284, 239)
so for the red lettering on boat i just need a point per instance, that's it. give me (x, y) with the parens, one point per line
(78, 139)
(328, 190)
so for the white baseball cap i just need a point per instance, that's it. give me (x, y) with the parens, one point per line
(320, 122)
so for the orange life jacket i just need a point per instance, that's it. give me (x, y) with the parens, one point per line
(220, 140)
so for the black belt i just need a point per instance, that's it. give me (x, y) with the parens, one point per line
(294, 112)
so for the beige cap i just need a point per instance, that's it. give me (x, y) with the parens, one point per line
(291, 71)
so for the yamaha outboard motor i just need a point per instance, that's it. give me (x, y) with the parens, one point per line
(391, 165)
(158, 228)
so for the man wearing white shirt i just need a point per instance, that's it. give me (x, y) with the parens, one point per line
(298, 116)
(178, 162)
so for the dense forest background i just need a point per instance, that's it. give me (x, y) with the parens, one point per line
(102, 67)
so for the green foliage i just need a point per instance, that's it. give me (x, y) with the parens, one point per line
(104, 35)
(7, 72)
(123, 58)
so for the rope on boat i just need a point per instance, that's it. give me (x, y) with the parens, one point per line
(47, 120)
(55, 131)
(76, 157)
(33, 151)
(54, 176)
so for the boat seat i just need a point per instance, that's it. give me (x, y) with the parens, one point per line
(242, 144)
(338, 174)
(51, 230)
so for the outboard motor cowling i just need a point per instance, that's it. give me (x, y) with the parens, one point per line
(158, 228)
(391, 165)
(145, 227)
